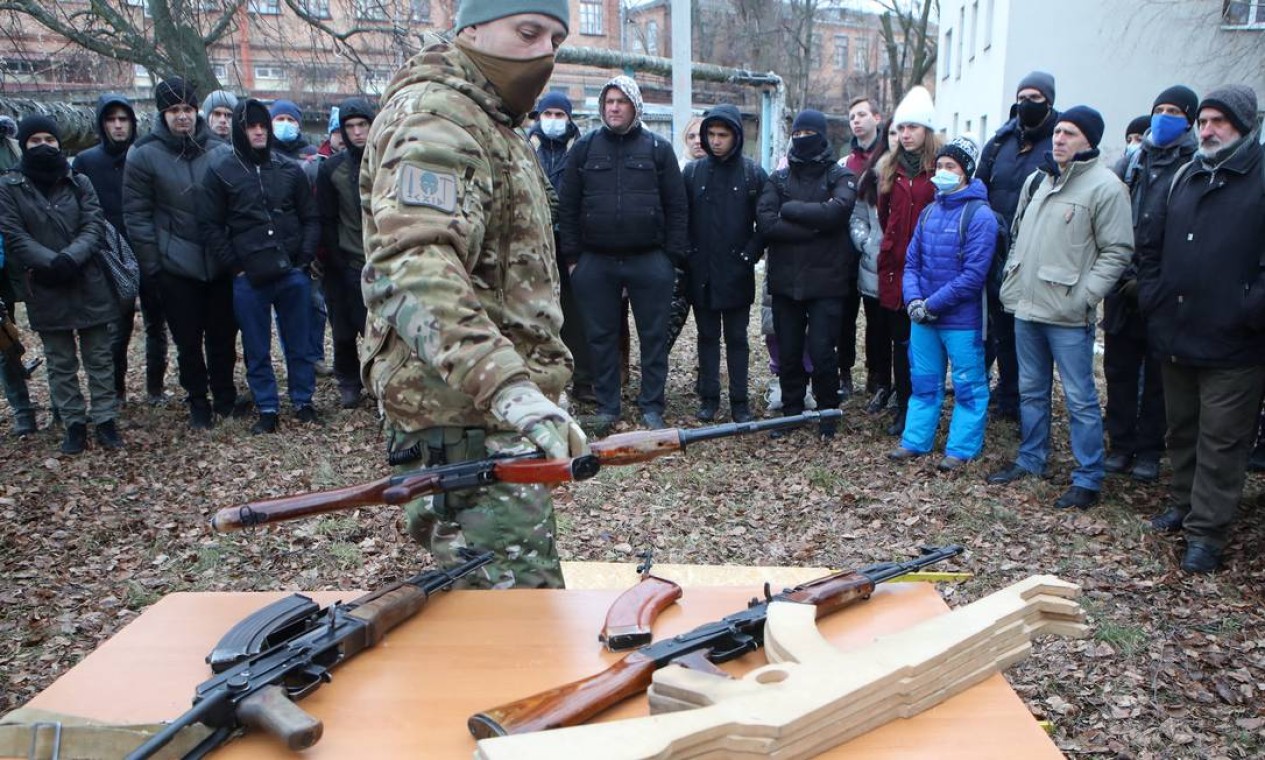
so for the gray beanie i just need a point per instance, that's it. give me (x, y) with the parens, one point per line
(218, 99)
(1237, 102)
(474, 12)
(1039, 81)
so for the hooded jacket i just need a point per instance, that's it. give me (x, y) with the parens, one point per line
(553, 152)
(1201, 281)
(622, 194)
(1148, 176)
(803, 215)
(1072, 242)
(461, 280)
(1010, 157)
(104, 163)
(36, 228)
(945, 271)
(255, 201)
(160, 201)
(724, 246)
(338, 193)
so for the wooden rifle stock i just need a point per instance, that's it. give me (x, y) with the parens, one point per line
(630, 617)
(620, 449)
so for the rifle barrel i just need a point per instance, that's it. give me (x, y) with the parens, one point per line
(712, 432)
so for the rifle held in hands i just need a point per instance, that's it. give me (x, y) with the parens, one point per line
(716, 642)
(531, 467)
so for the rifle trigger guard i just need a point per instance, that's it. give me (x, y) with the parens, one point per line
(742, 643)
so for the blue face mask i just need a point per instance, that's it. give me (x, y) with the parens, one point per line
(945, 180)
(285, 131)
(554, 128)
(1167, 129)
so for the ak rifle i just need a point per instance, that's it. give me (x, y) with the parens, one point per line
(530, 467)
(700, 649)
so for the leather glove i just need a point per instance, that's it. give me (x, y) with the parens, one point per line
(544, 423)
(61, 270)
(1129, 289)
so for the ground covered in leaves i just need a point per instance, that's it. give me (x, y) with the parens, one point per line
(1175, 667)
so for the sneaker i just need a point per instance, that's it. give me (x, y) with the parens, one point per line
(773, 396)
(1008, 474)
(950, 463)
(1117, 462)
(653, 421)
(200, 415)
(1078, 497)
(740, 412)
(306, 414)
(76, 438)
(902, 454)
(897, 428)
(267, 423)
(1145, 470)
(879, 401)
(1169, 521)
(349, 398)
(707, 410)
(156, 399)
(810, 403)
(107, 435)
(846, 389)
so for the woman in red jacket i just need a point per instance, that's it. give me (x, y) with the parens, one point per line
(905, 189)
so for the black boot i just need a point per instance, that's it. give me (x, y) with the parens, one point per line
(200, 414)
(707, 410)
(898, 422)
(76, 438)
(740, 412)
(23, 424)
(107, 434)
(267, 423)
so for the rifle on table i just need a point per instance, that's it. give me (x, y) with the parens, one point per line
(630, 617)
(11, 348)
(261, 673)
(531, 467)
(716, 642)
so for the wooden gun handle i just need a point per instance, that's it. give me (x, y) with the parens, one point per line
(630, 618)
(567, 705)
(271, 710)
(299, 505)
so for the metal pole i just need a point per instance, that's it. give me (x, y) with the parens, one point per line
(766, 130)
(682, 52)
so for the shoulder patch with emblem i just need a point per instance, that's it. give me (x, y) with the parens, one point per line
(419, 186)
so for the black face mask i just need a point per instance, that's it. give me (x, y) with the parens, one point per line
(44, 165)
(808, 147)
(1031, 114)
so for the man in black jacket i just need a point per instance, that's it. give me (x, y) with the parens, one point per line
(160, 192)
(623, 226)
(338, 203)
(1134, 421)
(722, 190)
(103, 165)
(1006, 164)
(259, 219)
(803, 215)
(1202, 288)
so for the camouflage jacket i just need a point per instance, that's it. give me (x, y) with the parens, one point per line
(460, 280)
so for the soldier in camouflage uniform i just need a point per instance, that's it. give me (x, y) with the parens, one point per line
(462, 347)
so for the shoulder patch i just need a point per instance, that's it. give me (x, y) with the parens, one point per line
(419, 186)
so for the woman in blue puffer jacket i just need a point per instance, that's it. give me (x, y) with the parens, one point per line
(946, 266)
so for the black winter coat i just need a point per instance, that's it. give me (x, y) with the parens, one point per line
(103, 164)
(622, 195)
(36, 229)
(1202, 283)
(160, 202)
(1009, 159)
(249, 208)
(552, 153)
(338, 206)
(1148, 179)
(803, 215)
(724, 244)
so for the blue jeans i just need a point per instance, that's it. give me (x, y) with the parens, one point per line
(291, 297)
(931, 349)
(1040, 347)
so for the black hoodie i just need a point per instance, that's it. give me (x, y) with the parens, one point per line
(722, 192)
(103, 163)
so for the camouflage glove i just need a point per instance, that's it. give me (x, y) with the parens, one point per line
(543, 422)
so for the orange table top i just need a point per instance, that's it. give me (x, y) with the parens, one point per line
(471, 650)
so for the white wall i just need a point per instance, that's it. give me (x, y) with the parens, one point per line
(972, 97)
(1116, 62)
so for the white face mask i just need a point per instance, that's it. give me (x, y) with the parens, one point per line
(553, 128)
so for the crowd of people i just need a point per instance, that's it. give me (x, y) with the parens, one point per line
(414, 241)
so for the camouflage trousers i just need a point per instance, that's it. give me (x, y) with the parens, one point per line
(514, 521)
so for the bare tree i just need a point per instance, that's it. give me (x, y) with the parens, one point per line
(909, 42)
(167, 37)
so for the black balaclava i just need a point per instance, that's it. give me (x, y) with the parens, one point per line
(44, 165)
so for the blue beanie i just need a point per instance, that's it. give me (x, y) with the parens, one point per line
(286, 107)
(810, 119)
(553, 100)
(1087, 120)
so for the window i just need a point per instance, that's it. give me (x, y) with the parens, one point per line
(419, 10)
(1243, 13)
(370, 10)
(862, 62)
(961, 39)
(266, 7)
(841, 51)
(814, 51)
(988, 23)
(591, 18)
(652, 37)
(270, 72)
(948, 54)
(316, 8)
(220, 71)
(974, 27)
(983, 129)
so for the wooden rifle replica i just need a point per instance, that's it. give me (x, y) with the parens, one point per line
(531, 467)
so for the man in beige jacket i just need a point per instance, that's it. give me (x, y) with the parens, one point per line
(1073, 237)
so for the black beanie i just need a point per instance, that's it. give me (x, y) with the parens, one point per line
(810, 119)
(1039, 81)
(33, 125)
(1087, 120)
(1237, 102)
(173, 92)
(1138, 126)
(1181, 96)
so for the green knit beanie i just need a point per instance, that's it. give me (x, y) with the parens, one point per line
(474, 12)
